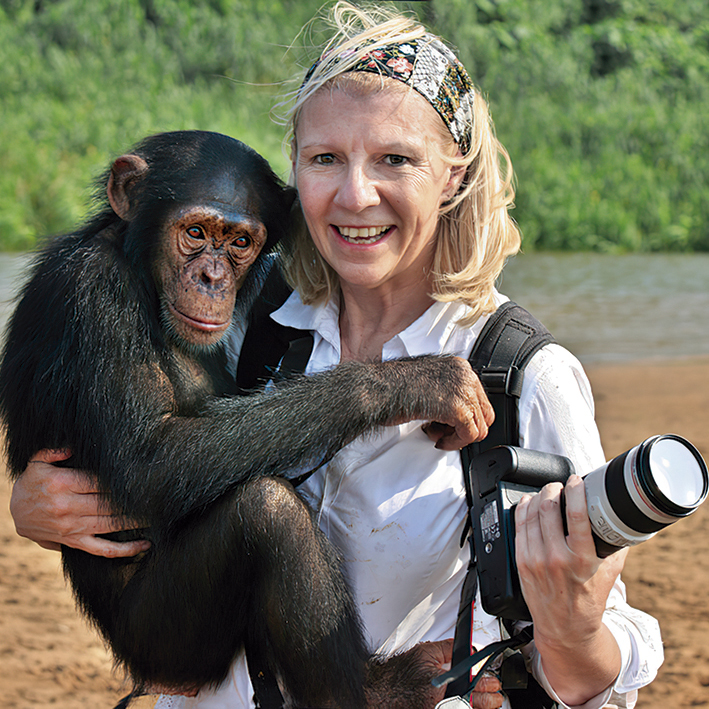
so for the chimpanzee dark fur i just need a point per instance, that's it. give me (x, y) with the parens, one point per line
(92, 364)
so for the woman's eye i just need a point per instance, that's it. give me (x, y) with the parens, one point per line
(195, 232)
(396, 159)
(325, 159)
(242, 242)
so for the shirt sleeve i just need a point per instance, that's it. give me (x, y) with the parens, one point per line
(557, 416)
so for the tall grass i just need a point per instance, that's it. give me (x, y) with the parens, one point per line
(600, 102)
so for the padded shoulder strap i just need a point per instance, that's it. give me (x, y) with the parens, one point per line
(508, 341)
(266, 341)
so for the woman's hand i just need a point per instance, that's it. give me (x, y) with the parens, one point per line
(566, 586)
(56, 506)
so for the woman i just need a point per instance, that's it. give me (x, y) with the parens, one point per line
(398, 173)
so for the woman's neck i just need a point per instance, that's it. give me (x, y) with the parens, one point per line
(370, 318)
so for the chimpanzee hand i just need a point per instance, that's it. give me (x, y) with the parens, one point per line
(447, 392)
(404, 680)
(56, 506)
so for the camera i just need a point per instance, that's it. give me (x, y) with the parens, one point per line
(629, 499)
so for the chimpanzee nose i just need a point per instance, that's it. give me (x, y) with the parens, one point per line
(212, 274)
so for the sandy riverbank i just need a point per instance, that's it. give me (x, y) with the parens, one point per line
(49, 659)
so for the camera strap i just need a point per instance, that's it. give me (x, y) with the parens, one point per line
(510, 338)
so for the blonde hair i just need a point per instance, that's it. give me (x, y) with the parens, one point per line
(475, 233)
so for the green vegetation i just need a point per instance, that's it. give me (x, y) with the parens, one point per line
(599, 102)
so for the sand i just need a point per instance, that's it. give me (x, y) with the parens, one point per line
(50, 659)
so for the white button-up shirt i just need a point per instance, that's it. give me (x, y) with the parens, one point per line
(395, 507)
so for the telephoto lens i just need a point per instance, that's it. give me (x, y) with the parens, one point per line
(644, 490)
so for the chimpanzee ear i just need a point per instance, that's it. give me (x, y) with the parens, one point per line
(125, 173)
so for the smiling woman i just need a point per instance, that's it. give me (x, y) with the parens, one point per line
(405, 193)
(371, 195)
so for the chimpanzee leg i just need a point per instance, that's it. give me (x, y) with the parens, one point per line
(252, 565)
(311, 625)
(180, 619)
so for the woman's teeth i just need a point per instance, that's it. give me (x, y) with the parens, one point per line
(363, 235)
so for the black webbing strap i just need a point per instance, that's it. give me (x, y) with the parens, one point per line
(509, 339)
(294, 361)
(266, 692)
(263, 680)
(296, 358)
(265, 341)
(264, 345)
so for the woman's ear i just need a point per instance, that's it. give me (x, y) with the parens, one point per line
(455, 178)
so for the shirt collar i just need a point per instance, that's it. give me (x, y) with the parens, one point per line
(322, 318)
(430, 333)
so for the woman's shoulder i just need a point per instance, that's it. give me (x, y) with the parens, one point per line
(554, 364)
(556, 408)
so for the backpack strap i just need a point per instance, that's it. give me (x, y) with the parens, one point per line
(508, 341)
(266, 343)
(502, 350)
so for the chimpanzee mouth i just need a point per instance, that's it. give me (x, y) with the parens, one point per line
(363, 235)
(198, 323)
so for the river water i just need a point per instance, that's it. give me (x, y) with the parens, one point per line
(603, 308)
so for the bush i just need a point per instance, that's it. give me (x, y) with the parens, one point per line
(600, 102)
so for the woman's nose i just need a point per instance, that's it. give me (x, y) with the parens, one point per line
(356, 190)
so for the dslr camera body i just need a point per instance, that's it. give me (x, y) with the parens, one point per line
(629, 500)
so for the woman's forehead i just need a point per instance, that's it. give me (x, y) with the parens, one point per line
(376, 104)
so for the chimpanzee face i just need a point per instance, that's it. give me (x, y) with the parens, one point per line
(202, 206)
(204, 254)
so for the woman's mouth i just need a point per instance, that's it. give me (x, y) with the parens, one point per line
(362, 235)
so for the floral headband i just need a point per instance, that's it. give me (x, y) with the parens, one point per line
(429, 67)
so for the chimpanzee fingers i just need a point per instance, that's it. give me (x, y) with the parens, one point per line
(465, 407)
(486, 694)
(470, 423)
(488, 412)
(445, 437)
(435, 430)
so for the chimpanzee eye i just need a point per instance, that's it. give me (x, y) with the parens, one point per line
(242, 242)
(195, 232)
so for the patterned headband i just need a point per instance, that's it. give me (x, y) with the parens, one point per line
(429, 67)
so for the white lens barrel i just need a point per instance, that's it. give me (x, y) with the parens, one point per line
(646, 489)
(605, 522)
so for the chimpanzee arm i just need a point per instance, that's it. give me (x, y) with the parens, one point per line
(301, 423)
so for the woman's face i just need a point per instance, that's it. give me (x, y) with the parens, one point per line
(371, 182)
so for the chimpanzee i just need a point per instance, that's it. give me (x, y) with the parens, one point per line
(116, 352)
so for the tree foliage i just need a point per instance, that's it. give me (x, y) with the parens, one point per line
(599, 102)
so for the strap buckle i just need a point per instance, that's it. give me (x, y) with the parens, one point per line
(498, 380)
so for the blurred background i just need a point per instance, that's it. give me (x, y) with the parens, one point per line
(600, 103)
